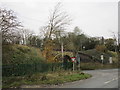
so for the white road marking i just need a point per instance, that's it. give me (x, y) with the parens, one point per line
(107, 82)
(110, 80)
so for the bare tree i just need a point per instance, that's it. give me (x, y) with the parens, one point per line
(43, 32)
(9, 25)
(58, 20)
(116, 39)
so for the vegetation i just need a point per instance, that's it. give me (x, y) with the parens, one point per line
(21, 60)
(31, 59)
(34, 70)
(44, 78)
(20, 54)
(96, 55)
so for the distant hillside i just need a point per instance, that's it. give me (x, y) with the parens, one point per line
(20, 54)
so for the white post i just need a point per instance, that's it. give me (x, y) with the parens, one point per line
(73, 66)
(110, 60)
(102, 58)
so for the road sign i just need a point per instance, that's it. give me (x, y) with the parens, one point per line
(73, 59)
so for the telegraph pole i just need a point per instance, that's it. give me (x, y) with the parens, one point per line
(62, 51)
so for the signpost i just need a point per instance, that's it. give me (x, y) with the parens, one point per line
(73, 60)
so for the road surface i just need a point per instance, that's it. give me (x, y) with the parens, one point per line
(100, 79)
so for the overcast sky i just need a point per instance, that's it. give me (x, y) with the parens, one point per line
(95, 18)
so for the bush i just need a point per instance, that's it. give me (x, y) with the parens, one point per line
(101, 48)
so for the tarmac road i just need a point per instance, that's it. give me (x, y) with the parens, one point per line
(100, 79)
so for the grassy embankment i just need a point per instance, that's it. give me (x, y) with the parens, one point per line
(20, 54)
(96, 54)
(107, 54)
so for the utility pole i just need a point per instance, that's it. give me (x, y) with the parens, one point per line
(62, 51)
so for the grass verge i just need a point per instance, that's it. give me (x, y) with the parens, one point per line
(93, 66)
(44, 78)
